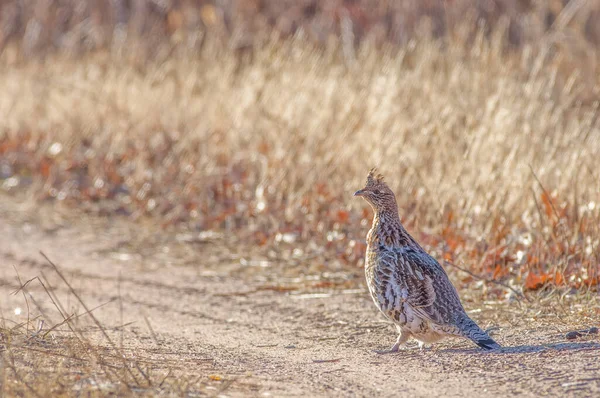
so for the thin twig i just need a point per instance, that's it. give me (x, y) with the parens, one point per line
(545, 192)
(25, 297)
(334, 370)
(154, 337)
(75, 316)
(76, 332)
(165, 378)
(53, 297)
(120, 310)
(537, 205)
(96, 321)
(519, 294)
(326, 360)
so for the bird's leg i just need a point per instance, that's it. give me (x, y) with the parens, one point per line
(402, 338)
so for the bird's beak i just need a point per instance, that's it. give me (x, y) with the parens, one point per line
(360, 192)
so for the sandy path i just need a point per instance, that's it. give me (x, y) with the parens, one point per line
(210, 320)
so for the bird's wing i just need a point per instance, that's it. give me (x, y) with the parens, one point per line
(430, 292)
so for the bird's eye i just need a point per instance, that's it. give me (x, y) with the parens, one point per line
(377, 192)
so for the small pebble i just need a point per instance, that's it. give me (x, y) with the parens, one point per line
(573, 335)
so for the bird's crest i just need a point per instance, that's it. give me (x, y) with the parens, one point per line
(374, 177)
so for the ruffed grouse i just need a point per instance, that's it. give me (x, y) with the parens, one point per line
(408, 285)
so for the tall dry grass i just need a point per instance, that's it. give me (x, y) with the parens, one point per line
(493, 154)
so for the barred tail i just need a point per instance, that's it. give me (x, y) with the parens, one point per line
(487, 343)
(473, 332)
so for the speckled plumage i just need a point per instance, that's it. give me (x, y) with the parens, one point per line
(408, 285)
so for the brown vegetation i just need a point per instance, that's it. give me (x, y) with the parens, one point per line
(493, 155)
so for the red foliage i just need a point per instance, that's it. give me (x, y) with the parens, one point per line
(140, 185)
(535, 281)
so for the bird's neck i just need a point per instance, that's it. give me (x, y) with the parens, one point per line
(388, 231)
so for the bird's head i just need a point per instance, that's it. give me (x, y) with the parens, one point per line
(377, 193)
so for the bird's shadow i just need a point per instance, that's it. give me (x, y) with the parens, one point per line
(527, 349)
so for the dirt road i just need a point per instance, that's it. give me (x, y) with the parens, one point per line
(217, 315)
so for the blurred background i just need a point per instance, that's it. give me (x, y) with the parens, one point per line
(81, 26)
(257, 119)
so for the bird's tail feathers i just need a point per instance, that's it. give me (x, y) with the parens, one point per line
(487, 343)
(473, 332)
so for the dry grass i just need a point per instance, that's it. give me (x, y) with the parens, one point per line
(492, 155)
(65, 351)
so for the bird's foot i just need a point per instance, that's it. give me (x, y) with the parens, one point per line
(395, 348)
